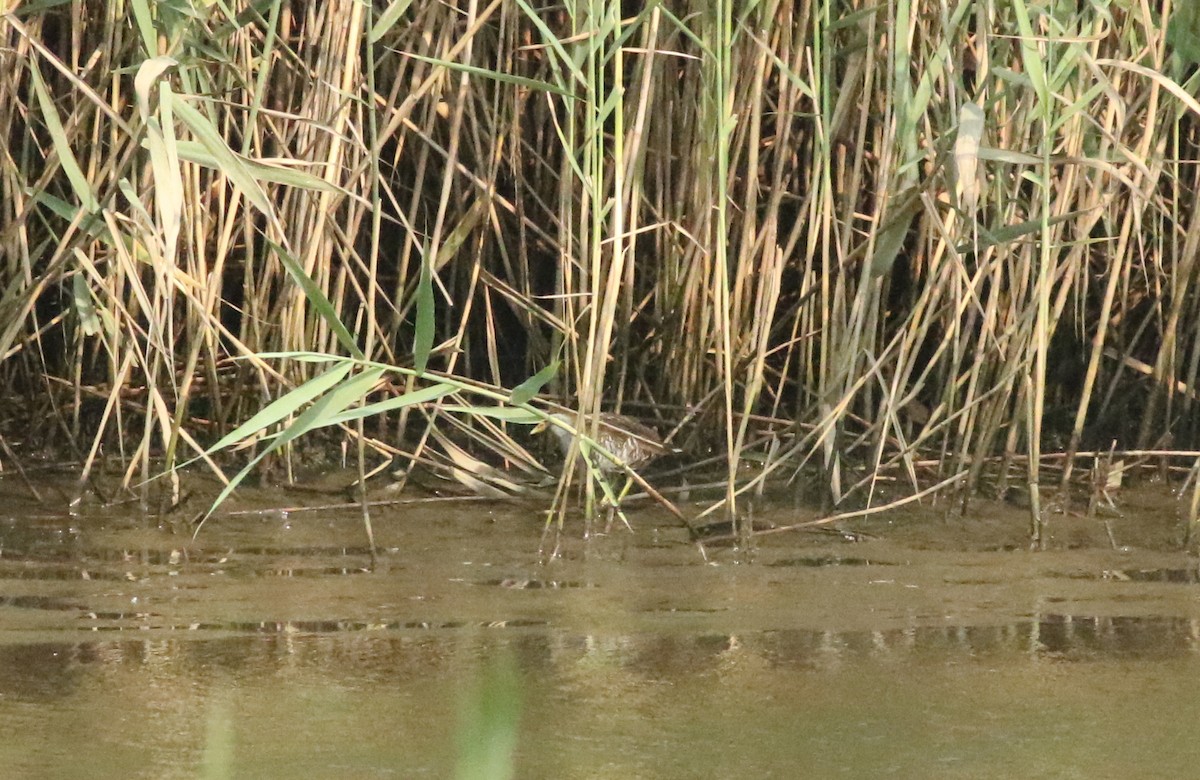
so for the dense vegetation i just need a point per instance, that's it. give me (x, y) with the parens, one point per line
(927, 240)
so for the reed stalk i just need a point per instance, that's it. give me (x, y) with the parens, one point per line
(830, 239)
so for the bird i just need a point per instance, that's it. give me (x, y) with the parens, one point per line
(630, 441)
(630, 445)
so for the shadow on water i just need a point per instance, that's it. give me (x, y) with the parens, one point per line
(268, 649)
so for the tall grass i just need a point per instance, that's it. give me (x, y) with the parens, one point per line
(933, 242)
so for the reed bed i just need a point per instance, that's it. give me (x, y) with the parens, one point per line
(938, 241)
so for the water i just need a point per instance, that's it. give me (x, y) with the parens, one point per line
(268, 649)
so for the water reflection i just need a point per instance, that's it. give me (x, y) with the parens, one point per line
(52, 669)
(636, 657)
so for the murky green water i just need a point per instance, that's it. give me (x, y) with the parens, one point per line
(128, 651)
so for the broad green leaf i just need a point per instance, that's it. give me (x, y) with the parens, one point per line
(462, 231)
(92, 225)
(422, 396)
(855, 18)
(317, 299)
(1030, 56)
(302, 357)
(168, 181)
(195, 152)
(1010, 233)
(895, 230)
(85, 307)
(1033, 176)
(525, 392)
(610, 103)
(505, 78)
(1183, 31)
(503, 413)
(228, 162)
(287, 405)
(144, 21)
(1008, 156)
(328, 405)
(135, 203)
(58, 136)
(388, 19)
(423, 340)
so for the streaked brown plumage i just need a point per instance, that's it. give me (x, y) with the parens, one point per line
(626, 438)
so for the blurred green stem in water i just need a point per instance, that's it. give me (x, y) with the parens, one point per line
(487, 726)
